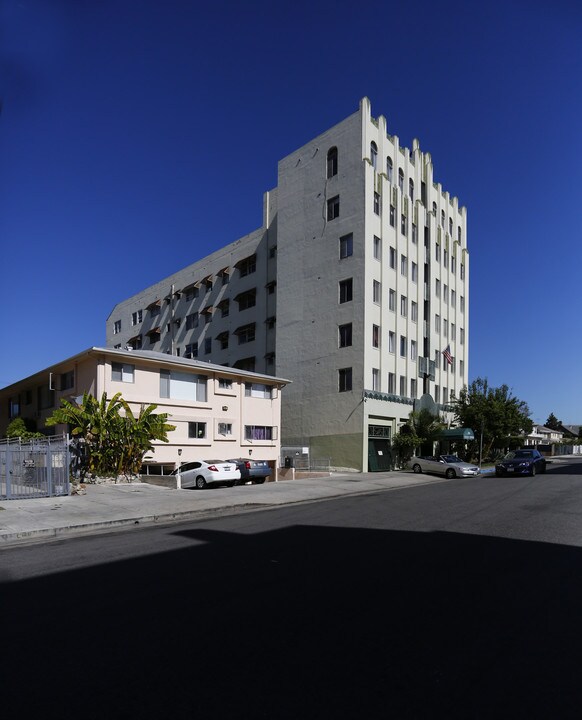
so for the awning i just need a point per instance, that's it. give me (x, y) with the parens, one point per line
(155, 303)
(208, 309)
(458, 434)
(223, 335)
(154, 331)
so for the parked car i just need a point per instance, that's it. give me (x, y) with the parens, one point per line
(255, 470)
(448, 465)
(201, 473)
(521, 462)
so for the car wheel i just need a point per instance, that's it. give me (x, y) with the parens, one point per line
(533, 470)
(200, 482)
(450, 474)
(259, 480)
(416, 468)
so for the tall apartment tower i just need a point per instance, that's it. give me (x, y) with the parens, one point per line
(356, 288)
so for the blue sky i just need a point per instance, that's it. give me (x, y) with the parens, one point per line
(137, 137)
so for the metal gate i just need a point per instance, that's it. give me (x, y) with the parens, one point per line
(34, 468)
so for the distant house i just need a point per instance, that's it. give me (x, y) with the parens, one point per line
(570, 431)
(219, 412)
(542, 435)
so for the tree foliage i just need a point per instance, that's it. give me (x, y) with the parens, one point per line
(495, 412)
(114, 440)
(21, 428)
(552, 422)
(422, 428)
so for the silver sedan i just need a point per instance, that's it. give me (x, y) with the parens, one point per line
(448, 465)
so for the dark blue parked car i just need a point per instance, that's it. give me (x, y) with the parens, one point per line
(521, 462)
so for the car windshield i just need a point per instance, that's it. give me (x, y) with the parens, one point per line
(519, 454)
(451, 459)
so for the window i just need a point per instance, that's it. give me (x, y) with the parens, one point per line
(376, 379)
(414, 311)
(461, 367)
(391, 341)
(453, 332)
(207, 315)
(117, 327)
(224, 274)
(450, 226)
(346, 246)
(403, 305)
(437, 252)
(403, 343)
(192, 321)
(414, 233)
(247, 266)
(437, 323)
(401, 180)
(445, 327)
(374, 154)
(462, 271)
(411, 189)
(247, 299)
(462, 303)
(224, 428)
(403, 224)
(225, 308)
(446, 293)
(375, 336)
(332, 162)
(392, 216)
(376, 291)
(67, 380)
(402, 386)
(442, 218)
(208, 283)
(459, 234)
(197, 430)
(453, 298)
(207, 346)
(377, 203)
(437, 288)
(271, 287)
(445, 395)
(392, 258)
(403, 265)
(260, 432)
(453, 366)
(392, 300)
(273, 251)
(333, 206)
(191, 350)
(437, 394)
(413, 350)
(377, 248)
(345, 335)
(258, 390)
(414, 272)
(224, 384)
(462, 336)
(453, 264)
(182, 385)
(391, 383)
(389, 168)
(345, 290)
(434, 209)
(271, 322)
(246, 333)
(437, 359)
(122, 372)
(191, 293)
(345, 379)
(136, 317)
(446, 258)
(412, 388)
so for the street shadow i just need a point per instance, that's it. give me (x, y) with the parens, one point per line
(564, 468)
(303, 622)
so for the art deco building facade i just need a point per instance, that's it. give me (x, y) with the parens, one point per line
(356, 288)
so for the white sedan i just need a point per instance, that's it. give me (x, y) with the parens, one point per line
(202, 473)
(448, 465)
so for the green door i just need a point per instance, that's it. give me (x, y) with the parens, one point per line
(379, 455)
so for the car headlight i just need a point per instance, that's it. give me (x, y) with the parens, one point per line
(524, 464)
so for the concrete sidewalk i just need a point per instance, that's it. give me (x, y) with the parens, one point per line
(110, 506)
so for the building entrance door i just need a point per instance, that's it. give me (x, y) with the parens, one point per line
(379, 455)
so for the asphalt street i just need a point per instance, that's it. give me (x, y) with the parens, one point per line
(453, 599)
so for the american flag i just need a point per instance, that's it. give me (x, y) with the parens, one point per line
(447, 355)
